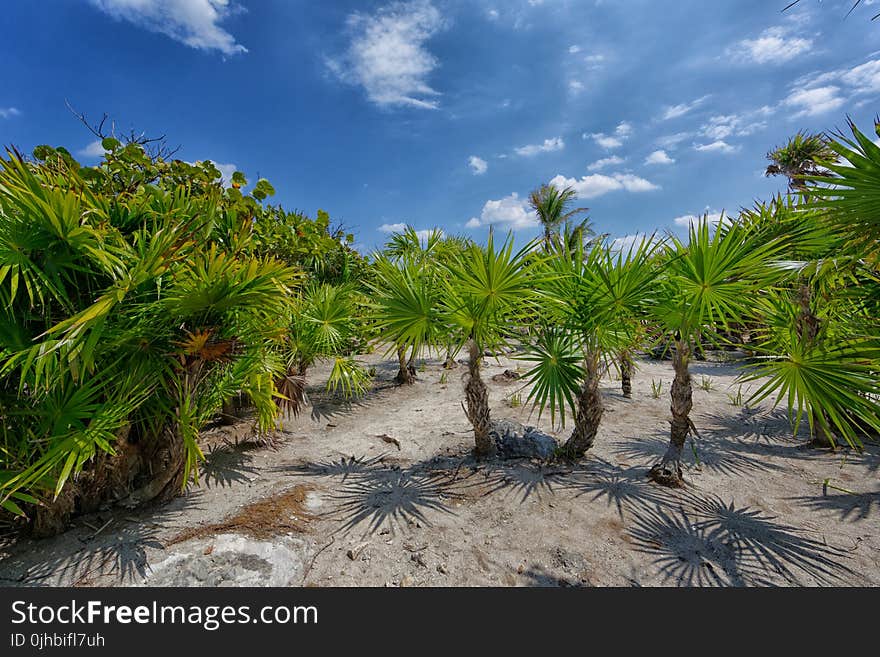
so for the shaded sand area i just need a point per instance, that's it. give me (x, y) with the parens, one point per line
(338, 503)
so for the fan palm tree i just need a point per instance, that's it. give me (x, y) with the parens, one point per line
(591, 305)
(849, 193)
(709, 282)
(406, 304)
(821, 335)
(800, 158)
(323, 322)
(487, 290)
(552, 206)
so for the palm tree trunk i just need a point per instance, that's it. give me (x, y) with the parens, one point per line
(406, 374)
(627, 369)
(808, 327)
(450, 363)
(822, 437)
(477, 399)
(589, 413)
(668, 471)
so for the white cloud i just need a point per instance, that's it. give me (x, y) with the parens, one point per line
(659, 157)
(575, 86)
(612, 161)
(775, 45)
(864, 78)
(549, 145)
(719, 146)
(671, 141)
(628, 242)
(818, 93)
(675, 111)
(9, 112)
(92, 150)
(622, 132)
(387, 55)
(226, 171)
(510, 211)
(812, 102)
(401, 227)
(714, 219)
(195, 23)
(734, 125)
(492, 14)
(605, 141)
(599, 184)
(392, 228)
(574, 50)
(478, 165)
(425, 234)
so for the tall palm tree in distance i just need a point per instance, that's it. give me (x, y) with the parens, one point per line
(553, 209)
(800, 158)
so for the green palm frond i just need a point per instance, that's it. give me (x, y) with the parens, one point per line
(557, 372)
(348, 378)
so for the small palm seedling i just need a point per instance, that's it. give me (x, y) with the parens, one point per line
(656, 388)
(737, 398)
(515, 400)
(707, 384)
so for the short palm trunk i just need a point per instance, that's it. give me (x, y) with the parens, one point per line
(406, 374)
(668, 471)
(822, 437)
(589, 415)
(627, 369)
(477, 400)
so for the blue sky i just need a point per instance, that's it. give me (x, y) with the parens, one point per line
(448, 112)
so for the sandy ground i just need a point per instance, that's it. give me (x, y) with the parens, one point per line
(337, 505)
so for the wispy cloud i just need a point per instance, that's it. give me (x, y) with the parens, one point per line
(675, 111)
(775, 45)
(724, 126)
(388, 56)
(9, 112)
(195, 23)
(549, 146)
(622, 132)
(819, 93)
(812, 102)
(606, 162)
(718, 146)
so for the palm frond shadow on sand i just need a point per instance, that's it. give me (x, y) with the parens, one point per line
(850, 507)
(376, 494)
(228, 464)
(728, 446)
(119, 550)
(704, 541)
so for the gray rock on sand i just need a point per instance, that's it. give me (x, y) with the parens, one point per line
(517, 441)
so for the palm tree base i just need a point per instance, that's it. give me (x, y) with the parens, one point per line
(406, 376)
(667, 473)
